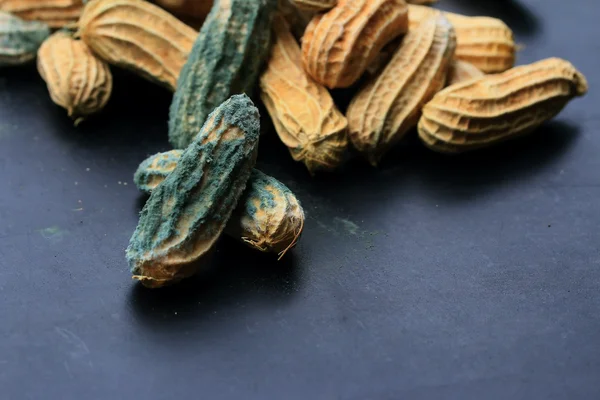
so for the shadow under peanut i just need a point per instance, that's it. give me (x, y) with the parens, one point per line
(230, 278)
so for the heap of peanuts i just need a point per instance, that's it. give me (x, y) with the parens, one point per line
(408, 65)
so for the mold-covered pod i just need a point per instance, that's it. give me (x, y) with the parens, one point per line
(19, 39)
(226, 59)
(268, 217)
(188, 211)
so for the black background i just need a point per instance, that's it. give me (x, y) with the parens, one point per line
(432, 277)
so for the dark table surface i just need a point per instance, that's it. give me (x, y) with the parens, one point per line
(432, 277)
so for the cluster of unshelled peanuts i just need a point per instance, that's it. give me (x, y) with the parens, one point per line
(407, 65)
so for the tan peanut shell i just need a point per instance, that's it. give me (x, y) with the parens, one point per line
(315, 5)
(461, 71)
(494, 108)
(390, 104)
(339, 45)
(77, 80)
(55, 13)
(303, 112)
(485, 42)
(139, 36)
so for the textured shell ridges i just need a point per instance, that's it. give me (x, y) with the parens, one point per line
(485, 42)
(54, 13)
(390, 104)
(302, 110)
(339, 45)
(494, 108)
(138, 36)
(77, 80)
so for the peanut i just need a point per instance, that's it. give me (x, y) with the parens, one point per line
(55, 13)
(339, 45)
(139, 36)
(303, 112)
(482, 112)
(268, 217)
(390, 104)
(19, 39)
(187, 212)
(226, 59)
(77, 80)
(485, 42)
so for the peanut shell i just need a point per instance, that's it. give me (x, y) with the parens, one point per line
(138, 36)
(54, 13)
(226, 59)
(485, 42)
(77, 80)
(303, 112)
(268, 217)
(389, 105)
(484, 111)
(188, 211)
(339, 45)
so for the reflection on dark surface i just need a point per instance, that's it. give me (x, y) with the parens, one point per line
(232, 275)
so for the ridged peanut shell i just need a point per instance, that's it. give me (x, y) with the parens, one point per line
(138, 36)
(268, 217)
(484, 111)
(55, 13)
(188, 211)
(485, 42)
(390, 104)
(461, 71)
(77, 80)
(303, 112)
(339, 45)
(315, 5)
(19, 39)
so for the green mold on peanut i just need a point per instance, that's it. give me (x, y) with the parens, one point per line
(155, 169)
(226, 59)
(268, 217)
(188, 211)
(19, 39)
